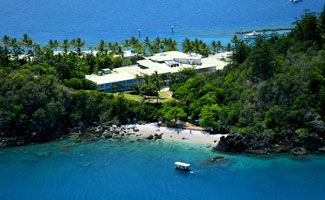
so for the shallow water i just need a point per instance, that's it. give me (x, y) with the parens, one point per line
(111, 20)
(145, 170)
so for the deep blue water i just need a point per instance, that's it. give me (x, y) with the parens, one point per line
(124, 170)
(114, 20)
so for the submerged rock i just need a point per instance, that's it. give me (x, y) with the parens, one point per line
(217, 159)
(44, 154)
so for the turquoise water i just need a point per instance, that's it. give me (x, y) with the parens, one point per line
(144, 170)
(112, 20)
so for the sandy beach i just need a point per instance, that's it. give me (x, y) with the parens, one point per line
(177, 135)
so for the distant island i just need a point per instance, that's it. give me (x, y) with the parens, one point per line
(269, 97)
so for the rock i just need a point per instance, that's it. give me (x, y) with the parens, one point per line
(20, 142)
(258, 151)
(78, 140)
(135, 129)
(316, 125)
(107, 134)
(232, 143)
(298, 151)
(280, 148)
(98, 129)
(312, 142)
(322, 149)
(44, 154)
(150, 137)
(158, 136)
(217, 159)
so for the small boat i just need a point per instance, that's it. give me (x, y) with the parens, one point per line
(182, 166)
(251, 35)
(295, 1)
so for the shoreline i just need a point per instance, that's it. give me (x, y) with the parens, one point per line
(175, 135)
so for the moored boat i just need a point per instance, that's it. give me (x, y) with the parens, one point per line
(182, 166)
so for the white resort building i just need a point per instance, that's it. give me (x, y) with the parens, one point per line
(123, 78)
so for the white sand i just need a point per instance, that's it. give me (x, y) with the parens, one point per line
(173, 134)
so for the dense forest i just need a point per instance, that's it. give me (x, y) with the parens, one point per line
(271, 97)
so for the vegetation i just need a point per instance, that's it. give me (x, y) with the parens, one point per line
(273, 90)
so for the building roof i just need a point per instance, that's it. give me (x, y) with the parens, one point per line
(171, 55)
(148, 67)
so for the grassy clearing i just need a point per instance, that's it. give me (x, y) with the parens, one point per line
(165, 95)
(131, 97)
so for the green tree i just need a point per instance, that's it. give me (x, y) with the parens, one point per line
(209, 116)
(78, 44)
(187, 46)
(262, 59)
(65, 46)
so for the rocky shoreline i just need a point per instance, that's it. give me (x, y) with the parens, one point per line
(237, 143)
(232, 143)
(111, 132)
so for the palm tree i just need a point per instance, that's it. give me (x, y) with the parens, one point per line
(158, 83)
(101, 46)
(139, 79)
(172, 45)
(56, 45)
(109, 46)
(16, 48)
(127, 43)
(153, 49)
(147, 44)
(219, 46)
(78, 44)
(53, 44)
(118, 50)
(27, 43)
(159, 45)
(228, 48)
(187, 46)
(214, 46)
(6, 42)
(234, 40)
(65, 46)
(197, 45)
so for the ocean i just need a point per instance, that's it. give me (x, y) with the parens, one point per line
(110, 20)
(108, 169)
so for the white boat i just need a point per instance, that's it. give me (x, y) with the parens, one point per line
(295, 1)
(251, 34)
(182, 166)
